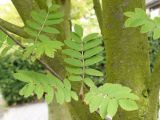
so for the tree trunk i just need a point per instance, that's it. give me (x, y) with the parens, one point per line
(127, 55)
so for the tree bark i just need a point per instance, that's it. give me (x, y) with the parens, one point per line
(24, 8)
(127, 55)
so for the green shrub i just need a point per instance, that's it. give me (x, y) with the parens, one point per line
(9, 86)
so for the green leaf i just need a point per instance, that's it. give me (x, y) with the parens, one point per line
(73, 62)
(23, 76)
(74, 70)
(92, 44)
(129, 14)
(75, 37)
(39, 91)
(74, 96)
(73, 45)
(74, 78)
(46, 47)
(37, 17)
(49, 96)
(103, 108)
(67, 95)
(67, 84)
(49, 3)
(105, 99)
(93, 72)
(156, 34)
(91, 37)
(56, 15)
(50, 30)
(95, 103)
(54, 22)
(44, 38)
(54, 7)
(72, 53)
(79, 30)
(33, 25)
(134, 22)
(92, 52)
(93, 60)
(128, 105)
(89, 82)
(60, 96)
(157, 21)
(28, 90)
(30, 32)
(112, 107)
(149, 26)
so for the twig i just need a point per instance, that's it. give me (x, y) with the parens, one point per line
(23, 47)
(98, 11)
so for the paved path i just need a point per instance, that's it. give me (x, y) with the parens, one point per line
(38, 111)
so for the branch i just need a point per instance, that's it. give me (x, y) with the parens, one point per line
(24, 8)
(13, 28)
(40, 61)
(98, 11)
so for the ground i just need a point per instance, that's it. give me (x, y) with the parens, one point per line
(38, 111)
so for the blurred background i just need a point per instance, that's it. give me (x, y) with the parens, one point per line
(12, 105)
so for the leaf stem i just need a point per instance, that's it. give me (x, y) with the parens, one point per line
(81, 93)
(41, 27)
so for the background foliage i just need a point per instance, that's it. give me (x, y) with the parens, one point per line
(8, 85)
